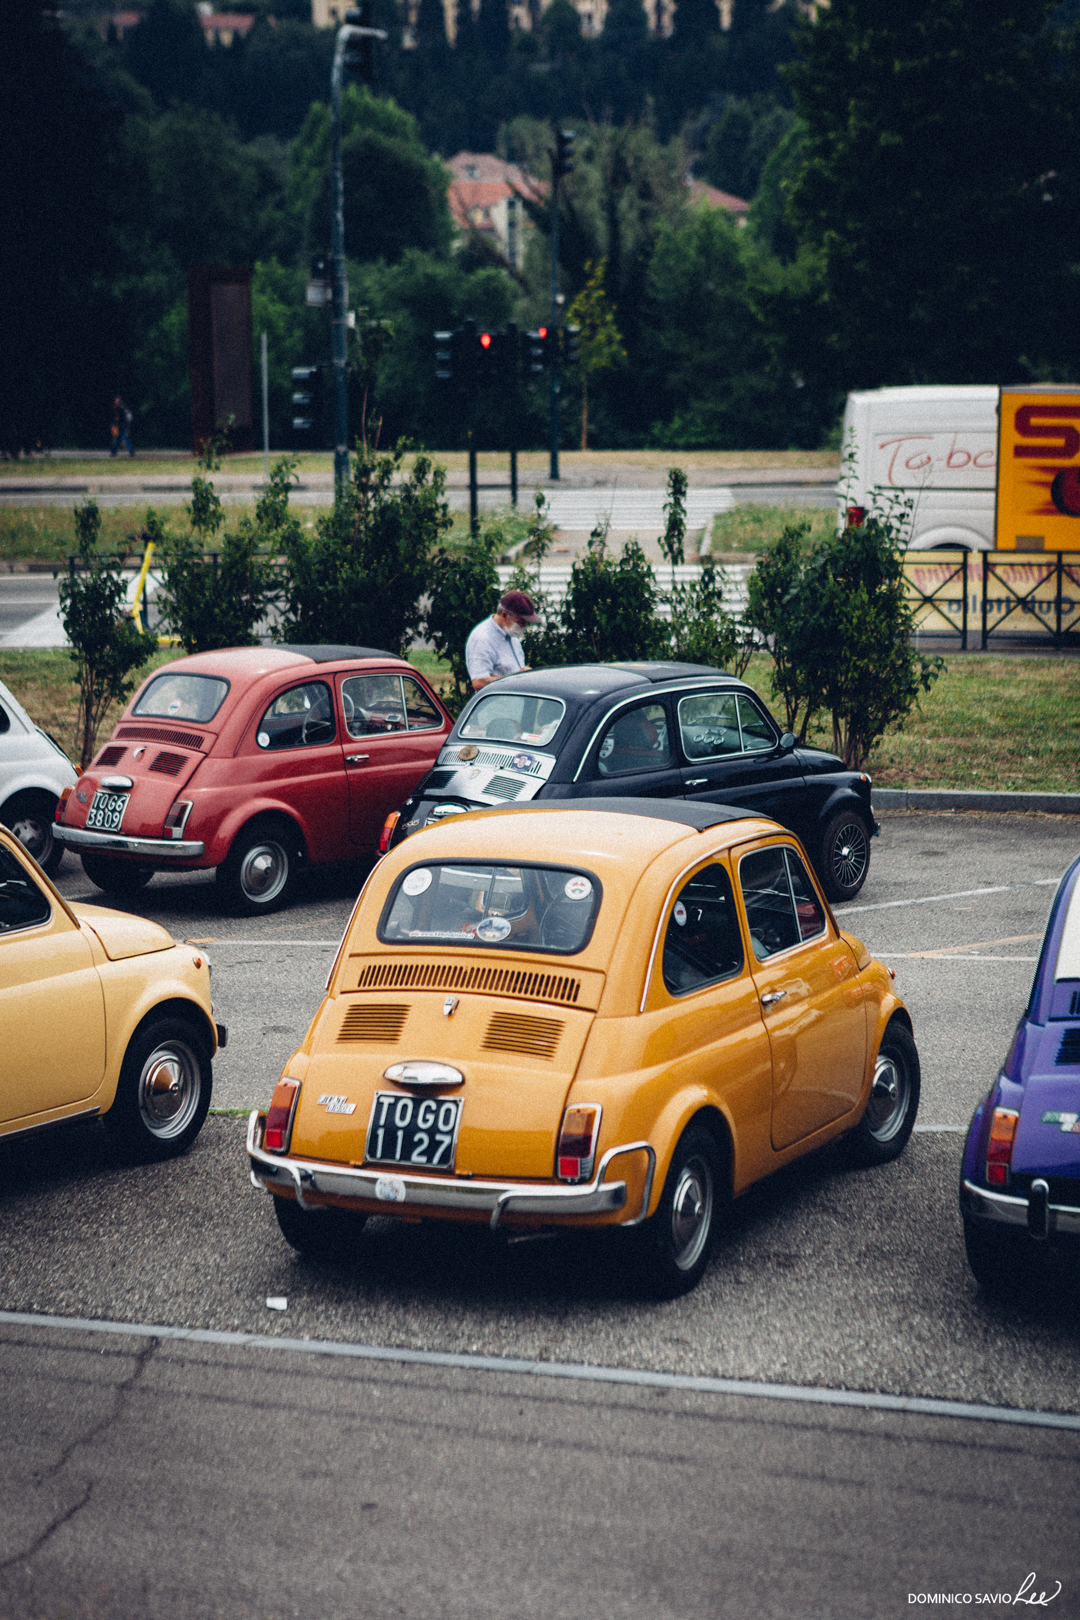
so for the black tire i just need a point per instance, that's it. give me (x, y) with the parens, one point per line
(881, 1135)
(1001, 1262)
(120, 878)
(318, 1234)
(673, 1247)
(164, 1090)
(260, 871)
(29, 816)
(844, 855)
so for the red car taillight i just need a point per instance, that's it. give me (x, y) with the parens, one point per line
(176, 820)
(61, 804)
(279, 1120)
(999, 1148)
(577, 1142)
(388, 830)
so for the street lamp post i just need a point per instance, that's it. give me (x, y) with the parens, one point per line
(562, 161)
(353, 53)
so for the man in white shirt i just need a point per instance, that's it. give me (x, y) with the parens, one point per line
(494, 647)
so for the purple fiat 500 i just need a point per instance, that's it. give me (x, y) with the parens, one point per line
(1020, 1183)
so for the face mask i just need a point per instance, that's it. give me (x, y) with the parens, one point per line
(517, 631)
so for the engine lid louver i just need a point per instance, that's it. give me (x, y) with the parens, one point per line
(182, 739)
(517, 1032)
(374, 1021)
(1069, 1050)
(109, 756)
(524, 984)
(167, 764)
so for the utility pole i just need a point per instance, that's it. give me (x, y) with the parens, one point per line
(353, 54)
(562, 161)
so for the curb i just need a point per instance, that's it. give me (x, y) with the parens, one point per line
(1057, 804)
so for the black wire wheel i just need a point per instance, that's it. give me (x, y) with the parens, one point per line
(889, 1116)
(29, 817)
(845, 855)
(163, 1094)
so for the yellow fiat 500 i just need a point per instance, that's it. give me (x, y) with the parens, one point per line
(101, 1013)
(621, 1015)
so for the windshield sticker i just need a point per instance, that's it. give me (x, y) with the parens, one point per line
(416, 882)
(1068, 1124)
(679, 914)
(468, 753)
(492, 930)
(577, 888)
(522, 762)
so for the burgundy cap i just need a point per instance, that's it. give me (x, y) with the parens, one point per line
(520, 605)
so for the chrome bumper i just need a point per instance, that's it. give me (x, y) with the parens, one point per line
(447, 1193)
(1004, 1209)
(120, 844)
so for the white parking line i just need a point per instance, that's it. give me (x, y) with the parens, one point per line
(960, 894)
(926, 1406)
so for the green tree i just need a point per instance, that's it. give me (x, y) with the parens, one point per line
(938, 185)
(106, 643)
(609, 610)
(600, 343)
(701, 629)
(359, 578)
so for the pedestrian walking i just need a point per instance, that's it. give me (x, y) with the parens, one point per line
(494, 646)
(120, 432)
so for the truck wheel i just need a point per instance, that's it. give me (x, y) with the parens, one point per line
(30, 817)
(845, 855)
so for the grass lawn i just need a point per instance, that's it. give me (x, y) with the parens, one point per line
(990, 723)
(751, 529)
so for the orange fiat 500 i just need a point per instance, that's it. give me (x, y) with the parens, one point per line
(622, 1015)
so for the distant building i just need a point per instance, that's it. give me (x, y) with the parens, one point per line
(222, 27)
(485, 196)
(737, 207)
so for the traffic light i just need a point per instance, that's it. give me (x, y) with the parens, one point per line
(562, 157)
(305, 402)
(571, 348)
(444, 356)
(535, 351)
(358, 56)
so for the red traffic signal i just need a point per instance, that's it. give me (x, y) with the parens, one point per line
(541, 331)
(485, 340)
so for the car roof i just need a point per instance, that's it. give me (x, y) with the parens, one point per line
(679, 811)
(238, 662)
(598, 680)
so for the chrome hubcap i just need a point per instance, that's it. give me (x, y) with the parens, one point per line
(264, 871)
(691, 1213)
(888, 1099)
(849, 855)
(33, 835)
(169, 1089)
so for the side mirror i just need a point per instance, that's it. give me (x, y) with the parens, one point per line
(787, 742)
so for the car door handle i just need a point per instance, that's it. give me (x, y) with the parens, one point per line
(698, 781)
(356, 759)
(772, 996)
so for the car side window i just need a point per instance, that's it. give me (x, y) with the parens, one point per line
(22, 903)
(637, 741)
(782, 907)
(300, 717)
(420, 713)
(757, 731)
(5, 720)
(702, 943)
(373, 705)
(709, 725)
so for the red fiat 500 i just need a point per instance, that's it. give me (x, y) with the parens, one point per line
(255, 761)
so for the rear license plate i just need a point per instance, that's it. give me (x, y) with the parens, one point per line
(413, 1130)
(106, 811)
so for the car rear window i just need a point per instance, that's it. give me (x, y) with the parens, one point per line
(479, 903)
(514, 717)
(183, 697)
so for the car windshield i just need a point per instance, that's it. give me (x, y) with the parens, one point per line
(480, 903)
(514, 717)
(183, 697)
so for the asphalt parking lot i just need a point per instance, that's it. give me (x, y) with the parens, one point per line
(142, 1475)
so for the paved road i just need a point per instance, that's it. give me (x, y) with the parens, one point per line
(496, 1494)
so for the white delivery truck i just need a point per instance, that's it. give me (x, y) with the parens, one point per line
(932, 447)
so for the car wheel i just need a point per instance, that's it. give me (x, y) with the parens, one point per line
(675, 1244)
(890, 1111)
(164, 1090)
(845, 855)
(29, 816)
(260, 871)
(1001, 1262)
(320, 1234)
(121, 878)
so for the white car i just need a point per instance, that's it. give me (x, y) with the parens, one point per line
(34, 771)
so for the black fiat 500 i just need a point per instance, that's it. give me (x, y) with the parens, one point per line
(650, 730)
